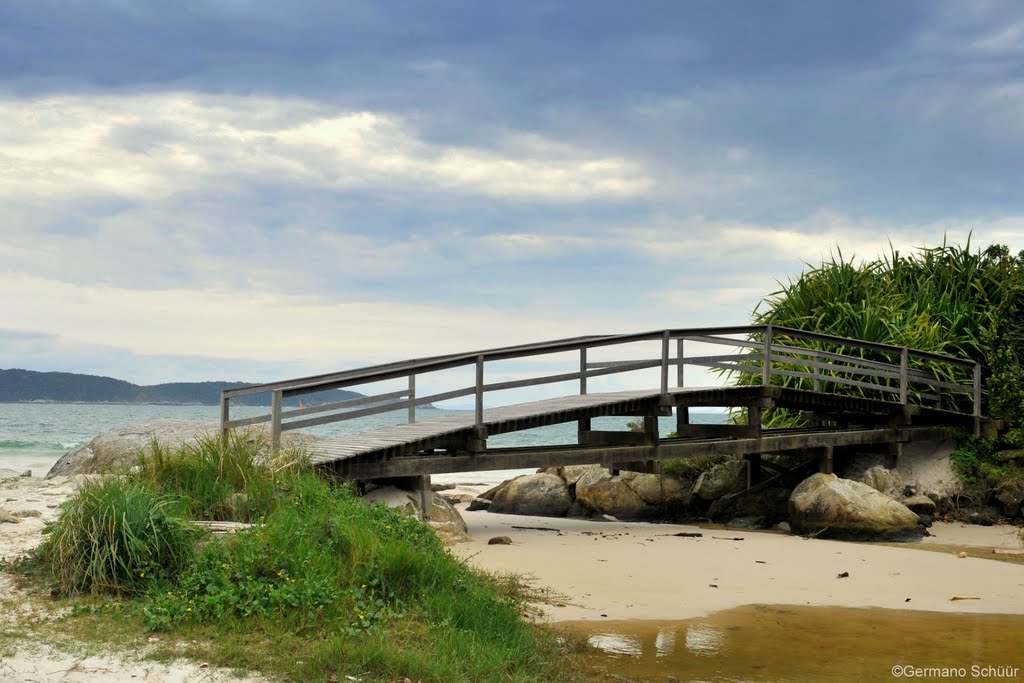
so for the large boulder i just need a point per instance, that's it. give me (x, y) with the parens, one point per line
(118, 449)
(535, 494)
(721, 480)
(444, 519)
(825, 505)
(602, 492)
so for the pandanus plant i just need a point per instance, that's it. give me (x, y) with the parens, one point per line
(947, 299)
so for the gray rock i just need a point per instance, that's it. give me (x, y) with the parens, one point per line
(7, 518)
(27, 474)
(886, 481)
(118, 449)
(721, 480)
(922, 505)
(656, 489)
(1010, 496)
(784, 527)
(444, 519)
(493, 491)
(752, 522)
(598, 490)
(570, 473)
(499, 540)
(536, 494)
(478, 504)
(825, 505)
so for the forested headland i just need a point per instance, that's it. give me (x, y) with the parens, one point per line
(23, 386)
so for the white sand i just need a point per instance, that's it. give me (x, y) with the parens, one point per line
(618, 570)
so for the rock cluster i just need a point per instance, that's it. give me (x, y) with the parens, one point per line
(822, 505)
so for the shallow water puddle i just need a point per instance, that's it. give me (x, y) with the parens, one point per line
(783, 643)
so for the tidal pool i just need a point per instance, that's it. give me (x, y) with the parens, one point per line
(784, 643)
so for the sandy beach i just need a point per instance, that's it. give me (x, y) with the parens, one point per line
(608, 570)
(623, 570)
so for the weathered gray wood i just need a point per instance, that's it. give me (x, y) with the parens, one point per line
(275, 421)
(904, 367)
(711, 431)
(245, 422)
(767, 375)
(412, 397)
(388, 398)
(479, 392)
(680, 365)
(604, 438)
(665, 338)
(583, 370)
(225, 415)
(610, 456)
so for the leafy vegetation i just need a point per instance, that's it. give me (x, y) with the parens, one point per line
(338, 587)
(946, 299)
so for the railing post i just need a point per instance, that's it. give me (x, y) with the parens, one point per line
(412, 397)
(904, 374)
(225, 415)
(664, 362)
(276, 407)
(767, 372)
(680, 380)
(817, 376)
(479, 392)
(583, 371)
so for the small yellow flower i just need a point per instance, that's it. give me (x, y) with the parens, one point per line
(142, 574)
(188, 609)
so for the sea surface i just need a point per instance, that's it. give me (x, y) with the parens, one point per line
(33, 436)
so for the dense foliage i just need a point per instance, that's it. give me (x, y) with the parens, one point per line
(946, 299)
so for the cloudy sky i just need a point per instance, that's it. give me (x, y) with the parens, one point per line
(217, 189)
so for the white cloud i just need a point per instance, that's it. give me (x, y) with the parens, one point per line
(267, 326)
(148, 146)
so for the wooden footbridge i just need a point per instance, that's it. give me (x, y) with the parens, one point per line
(850, 393)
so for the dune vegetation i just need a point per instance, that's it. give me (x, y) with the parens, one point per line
(318, 587)
(953, 300)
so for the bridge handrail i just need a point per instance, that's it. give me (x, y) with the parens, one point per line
(744, 363)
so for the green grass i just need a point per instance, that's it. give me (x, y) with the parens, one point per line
(116, 536)
(323, 586)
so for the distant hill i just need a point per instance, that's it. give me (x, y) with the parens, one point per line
(19, 386)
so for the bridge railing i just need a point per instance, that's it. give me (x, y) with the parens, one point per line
(826, 362)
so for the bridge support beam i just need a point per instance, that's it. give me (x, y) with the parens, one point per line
(825, 460)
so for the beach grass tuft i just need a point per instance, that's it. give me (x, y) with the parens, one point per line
(116, 535)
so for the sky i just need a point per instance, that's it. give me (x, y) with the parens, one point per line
(218, 189)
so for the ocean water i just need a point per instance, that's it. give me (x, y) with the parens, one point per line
(35, 435)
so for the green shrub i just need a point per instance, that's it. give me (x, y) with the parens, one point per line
(948, 299)
(116, 536)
